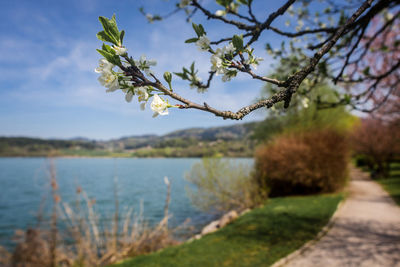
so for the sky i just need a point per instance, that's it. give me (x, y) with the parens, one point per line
(48, 87)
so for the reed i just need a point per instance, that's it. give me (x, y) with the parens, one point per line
(76, 235)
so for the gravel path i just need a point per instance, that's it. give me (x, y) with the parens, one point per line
(366, 231)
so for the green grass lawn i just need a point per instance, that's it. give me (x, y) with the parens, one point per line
(258, 238)
(392, 184)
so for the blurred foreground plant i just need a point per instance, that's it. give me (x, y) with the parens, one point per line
(220, 185)
(87, 240)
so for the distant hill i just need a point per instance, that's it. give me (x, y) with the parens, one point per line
(233, 132)
(191, 142)
(25, 146)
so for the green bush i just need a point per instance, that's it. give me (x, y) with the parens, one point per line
(220, 185)
(300, 163)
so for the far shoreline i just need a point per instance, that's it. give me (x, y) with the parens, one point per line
(111, 157)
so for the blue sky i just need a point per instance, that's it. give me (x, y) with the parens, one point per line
(48, 53)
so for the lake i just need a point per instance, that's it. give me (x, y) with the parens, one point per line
(25, 187)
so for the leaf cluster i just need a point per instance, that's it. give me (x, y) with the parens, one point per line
(110, 34)
(199, 29)
(188, 74)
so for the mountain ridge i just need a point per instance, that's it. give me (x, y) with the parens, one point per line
(176, 143)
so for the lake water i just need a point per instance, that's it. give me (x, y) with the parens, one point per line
(24, 184)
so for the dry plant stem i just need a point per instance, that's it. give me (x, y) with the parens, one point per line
(167, 201)
(290, 85)
(54, 229)
(87, 241)
(116, 215)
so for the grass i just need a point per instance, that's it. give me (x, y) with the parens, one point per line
(259, 238)
(392, 183)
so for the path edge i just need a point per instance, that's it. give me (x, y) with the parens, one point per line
(309, 244)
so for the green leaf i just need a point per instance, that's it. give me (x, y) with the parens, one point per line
(108, 48)
(114, 27)
(237, 42)
(203, 32)
(366, 71)
(182, 75)
(157, 17)
(244, 2)
(224, 3)
(336, 93)
(384, 48)
(322, 68)
(347, 99)
(102, 36)
(198, 29)
(191, 40)
(192, 67)
(106, 24)
(114, 59)
(110, 28)
(121, 36)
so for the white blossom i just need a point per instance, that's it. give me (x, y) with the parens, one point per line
(220, 13)
(233, 7)
(142, 94)
(219, 52)
(129, 96)
(119, 50)
(166, 181)
(219, 62)
(300, 25)
(159, 106)
(149, 17)
(216, 64)
(203, 43)
(184, 3)
(104, 65)
(387, 16)
(304, 102)
(228, 49)
(145, 64)
(109, 80)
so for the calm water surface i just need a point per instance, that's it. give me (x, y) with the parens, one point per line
(24, 184)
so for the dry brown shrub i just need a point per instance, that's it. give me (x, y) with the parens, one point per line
(302, 163)
(379, 144)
